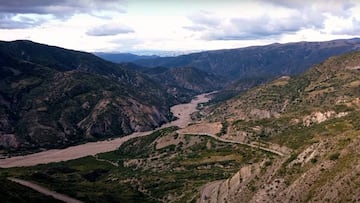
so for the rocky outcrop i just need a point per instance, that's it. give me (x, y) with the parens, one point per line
(319, 117)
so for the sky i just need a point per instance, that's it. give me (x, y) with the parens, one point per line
(150, 26)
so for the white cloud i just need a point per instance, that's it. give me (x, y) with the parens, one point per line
(204, 18)
(343, 26)
(286, 17)
(109, 30)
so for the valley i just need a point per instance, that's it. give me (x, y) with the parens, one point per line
(150, 169)
(293, 138)
(228, 101)
(52, 97)
(182, 111)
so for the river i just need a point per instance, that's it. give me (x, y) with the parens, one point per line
(182, 111)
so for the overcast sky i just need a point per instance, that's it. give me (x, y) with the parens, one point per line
(176, 25)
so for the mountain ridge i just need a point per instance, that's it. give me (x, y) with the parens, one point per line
(270, 60)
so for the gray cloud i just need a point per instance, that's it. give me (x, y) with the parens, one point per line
(31, 6)
(59, 7)
(15, 11)
(109, 30)
(314, 13)
(334, 7)
(8, 21)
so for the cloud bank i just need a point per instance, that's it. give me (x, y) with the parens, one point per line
(293, 16)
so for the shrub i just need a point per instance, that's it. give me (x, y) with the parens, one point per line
(334, 156)
(313, 160)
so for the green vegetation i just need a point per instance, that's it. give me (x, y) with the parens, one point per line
(12, 192)
(293, 112)
(298, 136)
(145, 172)
(334, 156)
(223, 131)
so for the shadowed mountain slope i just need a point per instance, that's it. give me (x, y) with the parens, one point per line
(185, 82)
(52, 97)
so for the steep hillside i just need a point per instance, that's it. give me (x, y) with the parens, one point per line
(185, 82)
(52, 97)
(316, 116)
(265, 61)
(331, 85)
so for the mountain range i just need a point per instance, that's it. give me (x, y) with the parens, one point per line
(53, 97)
(267, 61)
(293, 138)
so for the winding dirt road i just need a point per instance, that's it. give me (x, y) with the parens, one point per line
(242, 143)
(182, 111)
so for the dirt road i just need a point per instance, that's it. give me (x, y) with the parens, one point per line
(242, 143)
(182, 111)
(45, 191)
